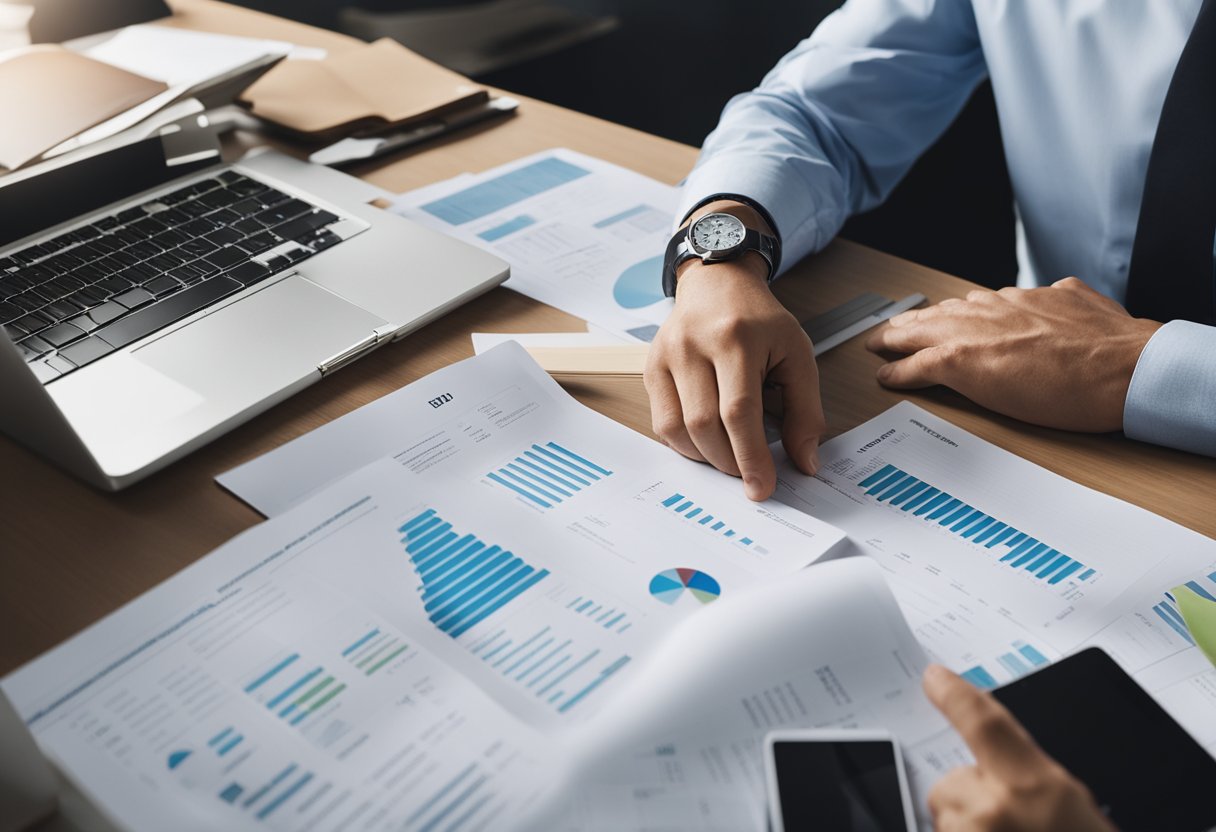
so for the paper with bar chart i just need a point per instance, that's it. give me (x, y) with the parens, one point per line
(580, 234)
(410, 643)
(1002, 566)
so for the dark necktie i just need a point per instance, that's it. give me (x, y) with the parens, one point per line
(1171, 274)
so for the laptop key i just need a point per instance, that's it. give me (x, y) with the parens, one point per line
(146, 321)
(88, 296)
(33, 322)
(113, 285)
(14, 331)
(107, 312)
(282, 213)
(163, 285)
(83, 322)
(32, 347)
(226, 257)
(61, 335)
(224, 236)
(134, 298)
(10, 312)
(86, 351)
(249, 273)
(61, 310)
(199, 248)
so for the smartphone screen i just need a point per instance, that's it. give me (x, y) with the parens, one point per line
(843, 786)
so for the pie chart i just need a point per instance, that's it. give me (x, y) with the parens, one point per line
(670, 584)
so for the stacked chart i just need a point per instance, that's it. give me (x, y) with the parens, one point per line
(670, 585)
(464, 581)
(293, 695)
(547, 475)
(1018, 550)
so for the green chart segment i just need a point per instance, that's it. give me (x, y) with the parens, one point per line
(669, 585)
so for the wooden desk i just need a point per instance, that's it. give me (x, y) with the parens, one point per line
(70, 554)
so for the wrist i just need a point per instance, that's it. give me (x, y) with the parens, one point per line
(751, 268)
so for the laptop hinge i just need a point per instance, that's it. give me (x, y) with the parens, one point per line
(348, 355)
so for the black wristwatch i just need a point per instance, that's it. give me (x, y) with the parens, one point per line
(715, 238)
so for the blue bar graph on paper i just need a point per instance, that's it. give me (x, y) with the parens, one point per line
(495, 194)
(680, 504)
(464, 581)
(980, 677)
(623, 215)
(1167, 613)
(362, 641)
(507, 228)
(271, 673)
(548, 475)
(1014, 548)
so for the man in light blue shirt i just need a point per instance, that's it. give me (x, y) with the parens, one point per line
(1079, 88)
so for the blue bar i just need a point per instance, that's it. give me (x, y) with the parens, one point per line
(910, 492)
(427, 552)
(438, 577)
(520, 481)
(717, 525)
(1084, 576)
(1006, 532)
(494, 652)
(882, 484)
(361, 642)
(218, 738)
(609, 624)
(1028, 543)
(680, 508)
(1014, 664)
(468, 575)
(284, 796)
(486, 593)
(564, 463)
(624, 215)
(604, 674)
(427, 537)
(1173, 613)
(278, 778)
(730, 532)
(553, 683)
(575, 601)
(412, 523)
(746, 541)
(980, 677)
(920, 498)
(1178, 628)
(486, 642)
(579, 459)
(518, 589)
(547, 473)
(540, 460)
(1016, 539)
(1035, 657)
(673, 499)
(875, 477)
(962, 511)
(230, 793)
(522, 646)
(989, 532)
(693, 513)
(493, 195)
(516, 488)
(584, 606)
(549, 482)
(1035, 552)
(473, 586)
(428, 565)
(231, 744)
(979, 527)
(1199, 590)
(950, 506)
(299, 683)
(541, 661)
(1212, 577)
(265, 677)
(894, 486)
(1039, 563)
(1065, 572)
(706, 519)
(527, 657)
(422, 528)
(932, 504)
(509, 227)
(1053, 566)
(976, 514)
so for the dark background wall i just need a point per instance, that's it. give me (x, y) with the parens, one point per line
(670, 66)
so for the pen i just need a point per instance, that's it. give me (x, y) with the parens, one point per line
(353, 149)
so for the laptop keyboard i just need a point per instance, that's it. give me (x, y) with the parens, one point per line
(73, 299)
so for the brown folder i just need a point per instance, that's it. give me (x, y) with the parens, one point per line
(49, 94)
(359, 90)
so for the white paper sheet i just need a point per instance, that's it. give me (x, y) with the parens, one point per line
(1000, 565)
(485, 341)
(580, 234)
(407, 644)
(179, 57)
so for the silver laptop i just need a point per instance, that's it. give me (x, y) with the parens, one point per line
(152, 298)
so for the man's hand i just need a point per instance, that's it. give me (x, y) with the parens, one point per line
(1013, 786)
(725, 337)
(1060, 356)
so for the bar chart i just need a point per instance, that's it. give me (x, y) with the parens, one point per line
(1021, 659)
(605, 615)
(1168, 611)
(711, 523)
(464, 580)
(1016, 549)
(548, 475)
(293, 689)
(374, 650)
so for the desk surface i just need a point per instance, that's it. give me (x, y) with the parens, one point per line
(71, 554)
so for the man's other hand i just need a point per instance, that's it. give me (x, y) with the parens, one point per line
(726, 336)
(1013, 786)
(1060, 356)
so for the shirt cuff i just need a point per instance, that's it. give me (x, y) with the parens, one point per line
(1172, 397)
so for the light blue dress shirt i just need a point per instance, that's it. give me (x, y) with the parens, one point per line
(1079, 87)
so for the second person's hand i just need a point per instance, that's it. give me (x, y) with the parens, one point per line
(726, 336)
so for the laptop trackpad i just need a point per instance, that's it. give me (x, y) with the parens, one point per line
(261, 344)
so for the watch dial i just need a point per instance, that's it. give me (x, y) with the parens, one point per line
(717, 232)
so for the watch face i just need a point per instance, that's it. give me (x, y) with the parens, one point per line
(718, 232)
